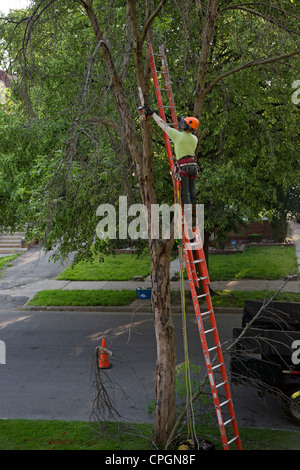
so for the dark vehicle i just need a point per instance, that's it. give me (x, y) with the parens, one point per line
(267, 356)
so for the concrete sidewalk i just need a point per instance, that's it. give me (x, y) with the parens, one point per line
(29, 290)
(32, 273)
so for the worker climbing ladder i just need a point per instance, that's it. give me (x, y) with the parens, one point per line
(194, 258)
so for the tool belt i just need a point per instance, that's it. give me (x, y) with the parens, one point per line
(188, 160)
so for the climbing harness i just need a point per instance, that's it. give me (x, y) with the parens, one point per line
(186, 161)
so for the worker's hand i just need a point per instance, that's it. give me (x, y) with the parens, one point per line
(148, 111)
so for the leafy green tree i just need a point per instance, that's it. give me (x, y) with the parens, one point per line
(82, 66)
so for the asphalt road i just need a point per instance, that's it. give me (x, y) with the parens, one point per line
(49, 370)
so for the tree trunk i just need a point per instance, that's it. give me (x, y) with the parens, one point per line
(164, 416)
(206, 36)
(142, 155)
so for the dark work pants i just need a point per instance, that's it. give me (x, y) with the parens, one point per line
(188, 185)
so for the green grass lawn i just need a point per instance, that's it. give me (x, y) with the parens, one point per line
(255, 262)
(114, 268)
(74, 297)
(68, 435)
(80, 435)
(226, 298)
(236, 299)
(270, 262)
(5, 260)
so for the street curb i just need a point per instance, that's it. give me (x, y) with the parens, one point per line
(125, 309)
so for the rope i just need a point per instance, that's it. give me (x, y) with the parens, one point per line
(191, 431)
(177, 200)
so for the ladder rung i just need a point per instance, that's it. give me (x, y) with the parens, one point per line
(198, 261)
(195, 243)
(202, 278)
(228, 421)
(202, 295)
(218, 365)
(213, 348)
(220, 384)
(189, 240)
(171, 106)
(206, 313)
(209, 331)
(233, 439)
(224, 402)
(160, 71)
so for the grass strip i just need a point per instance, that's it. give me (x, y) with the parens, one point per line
(22, 434)
(236, 299)
(113, 268)
(225, 298)
(264, 262)
(79, 297)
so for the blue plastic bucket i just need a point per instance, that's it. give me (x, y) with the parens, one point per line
(143, 293)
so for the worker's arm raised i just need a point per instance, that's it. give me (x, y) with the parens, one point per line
(161, 123)
(149, 112)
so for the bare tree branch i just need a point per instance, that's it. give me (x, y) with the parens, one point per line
(253, 63)
(243, 6)
(106, 122)
(150, 21)
(130, 132)
(208, 29)
(127, 53)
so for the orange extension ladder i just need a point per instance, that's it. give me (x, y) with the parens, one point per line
(197, 272)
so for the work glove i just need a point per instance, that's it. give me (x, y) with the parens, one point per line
(148, 111)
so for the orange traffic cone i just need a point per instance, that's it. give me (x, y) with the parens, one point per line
(103, 360)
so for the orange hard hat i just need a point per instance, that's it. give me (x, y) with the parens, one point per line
(192, 122)
(188, 123)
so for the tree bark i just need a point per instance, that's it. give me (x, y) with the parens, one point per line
(142, 155)
(209, 26)
(164, 416)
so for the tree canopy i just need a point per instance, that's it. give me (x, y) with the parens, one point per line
(63, 115)
(71, 137)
